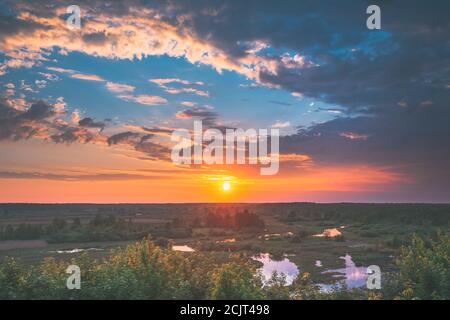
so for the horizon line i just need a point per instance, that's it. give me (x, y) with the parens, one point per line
(212, 203)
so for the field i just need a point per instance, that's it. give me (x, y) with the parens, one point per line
(302, 237)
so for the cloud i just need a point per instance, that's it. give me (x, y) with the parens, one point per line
(250, 85)
(9, 99)
(188, 104)
(41, 84)
(187, 90)
(281, 125)
(49, 76)
(61, 70)
(77, 75)
(163, 83)
(90, 123)
(144, 99)
(75, 116)
(73, 134)
(141, 142)
(38, 111)
(330, 110)
(135, 33)
(208, 117)
(60, 105)
(410, 148)
(76, 177)
(9, 92)
(123, 137)
(154, 151)
(47, 122)
(354, 136)
(23, 124)
(123, 90)
(157, 131)
(88, 77)
(119, 87)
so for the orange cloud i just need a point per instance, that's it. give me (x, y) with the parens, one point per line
(144, 99)
(89, 77)
(143, 32)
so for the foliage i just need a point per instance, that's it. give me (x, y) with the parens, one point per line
(141, 271)
(424, 270)
(236, 280)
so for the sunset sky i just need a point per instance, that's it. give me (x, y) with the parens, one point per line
(86, 115)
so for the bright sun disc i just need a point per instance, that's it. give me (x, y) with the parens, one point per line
(226, 186)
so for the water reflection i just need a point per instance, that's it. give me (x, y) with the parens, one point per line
(232, 240)
(183, 248)
(332, 232)
(76, 250)
(354, 276)
(284, 266)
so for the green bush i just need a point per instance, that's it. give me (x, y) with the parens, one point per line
(424, 270)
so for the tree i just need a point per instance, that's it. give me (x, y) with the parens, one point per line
(425, 268)
(237, 280)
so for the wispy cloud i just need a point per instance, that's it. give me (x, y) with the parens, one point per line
(61, 70)
(281, 125)
(165, 81)
(188, 103)
(187, 86)
(88, 77)
(119, 87)
(354, 136)
(144, 99)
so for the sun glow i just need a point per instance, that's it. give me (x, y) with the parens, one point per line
(226, 186)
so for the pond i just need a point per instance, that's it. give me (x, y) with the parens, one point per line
(231, 240)
(183, 248)
(353, 276)
(77, 250)
(332, 232)
(284, 266)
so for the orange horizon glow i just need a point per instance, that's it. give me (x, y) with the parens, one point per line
(316, 184)
(87, 174)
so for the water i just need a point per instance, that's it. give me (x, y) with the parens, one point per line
(332, 232)
(183, 248)
(77, 250)
(232, 240)
(285, 266)
(353, 276)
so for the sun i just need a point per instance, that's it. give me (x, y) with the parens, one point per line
(226, 186)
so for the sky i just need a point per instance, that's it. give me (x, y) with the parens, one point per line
(86, 115)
